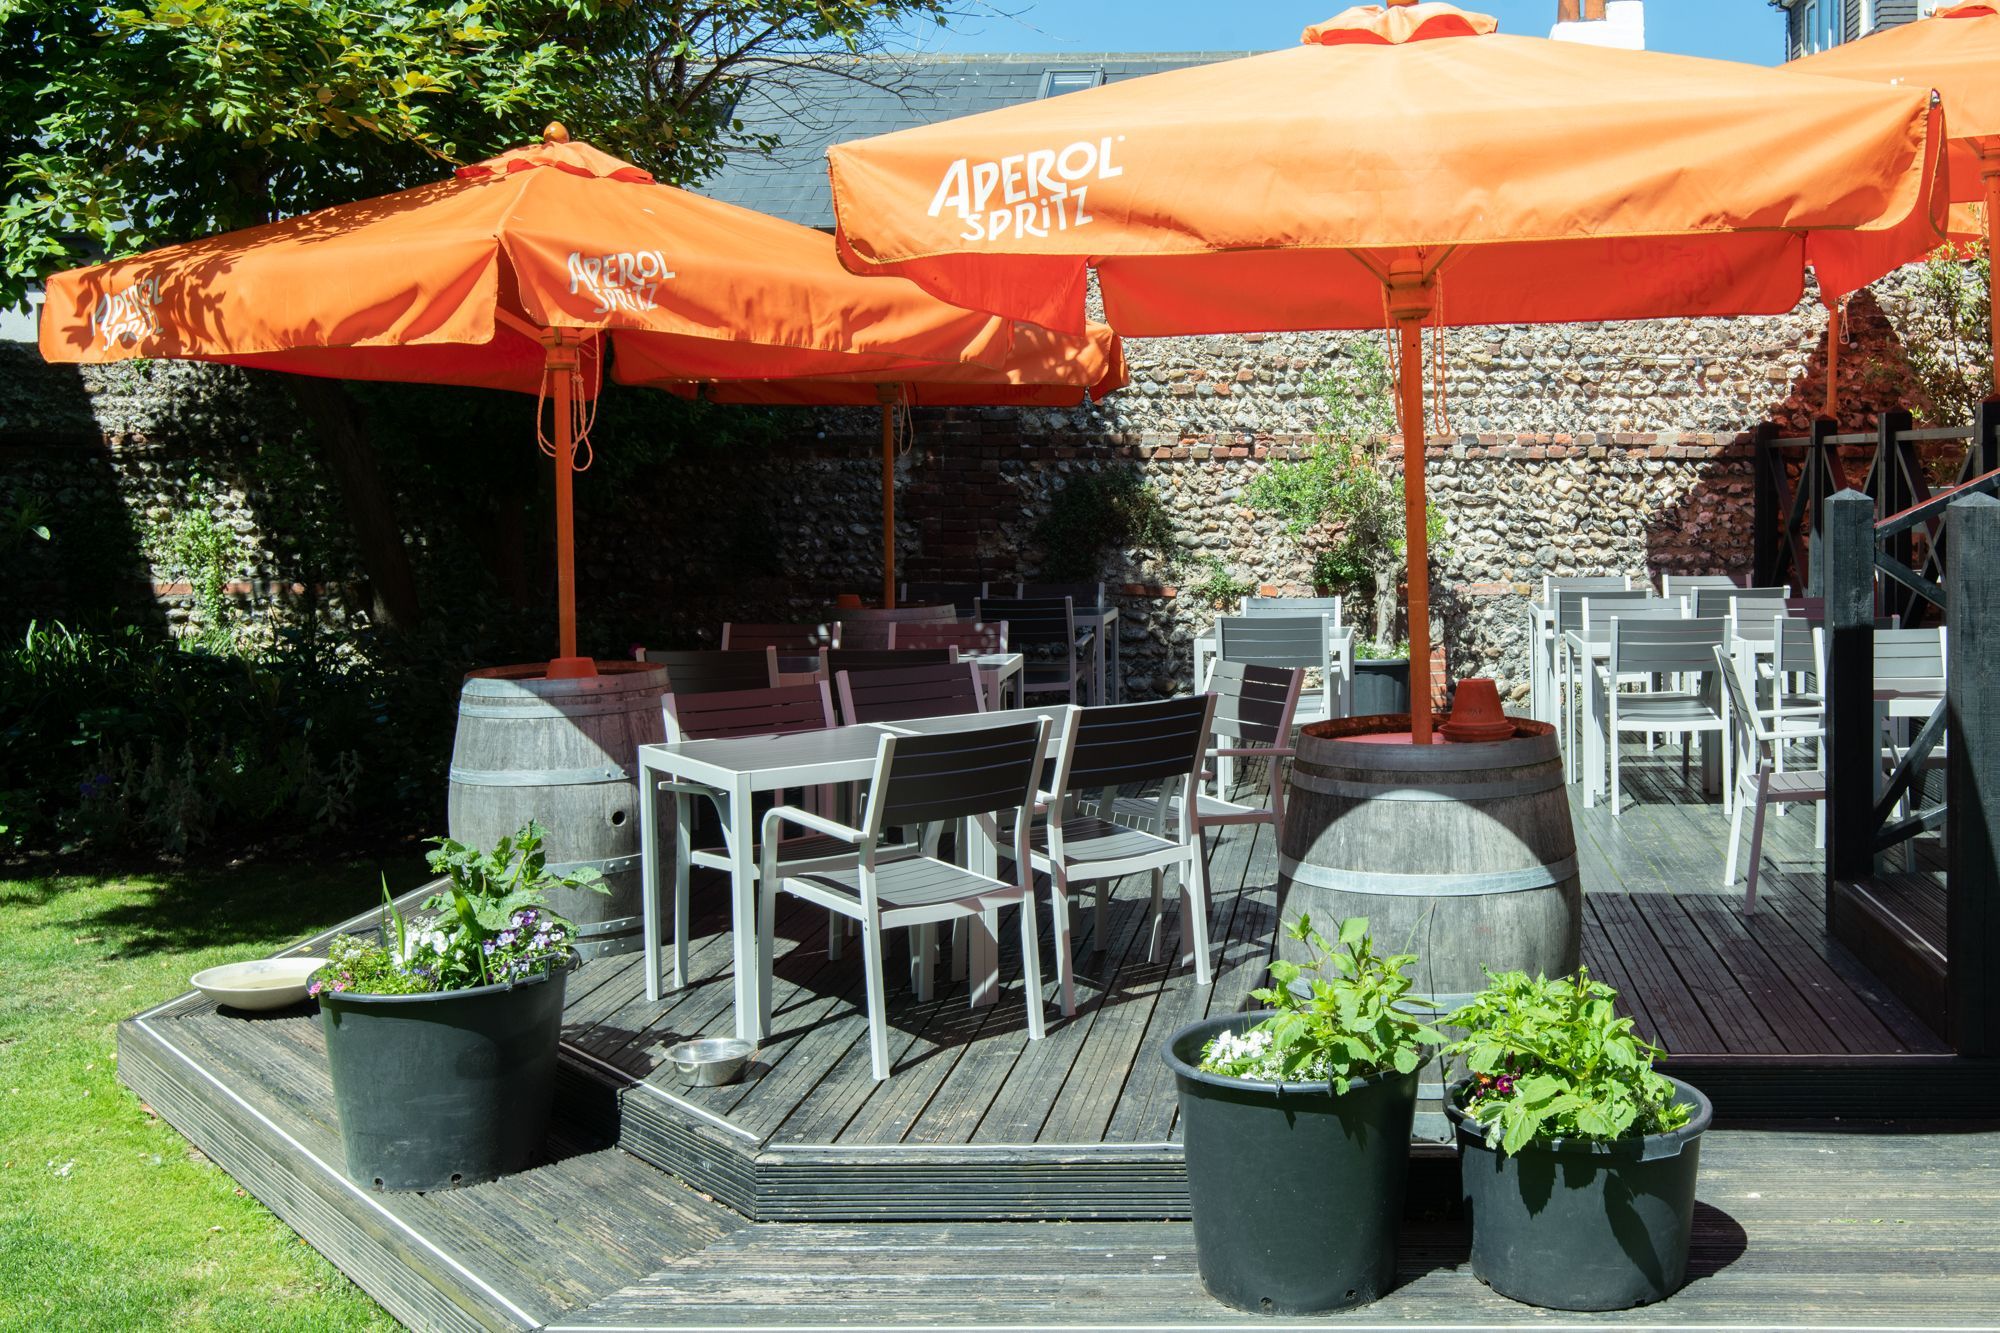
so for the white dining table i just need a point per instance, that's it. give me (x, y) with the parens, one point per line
(735, 772)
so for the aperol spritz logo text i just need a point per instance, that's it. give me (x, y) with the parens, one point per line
(128, 315)
(623, 280)
(1026, 194)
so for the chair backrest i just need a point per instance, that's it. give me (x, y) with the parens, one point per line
(1275, 641)
(1751, 730)
(1552, 586)
(1718, 601)
(1084, 596)
(1291, 606)
(1674, 584)
(895, 694)
(1912, 657)
(875, 628)
(1597, 611)
(1677, 645)
(961, 597)
(776, 710)
(1117, 744)
(968, 636)
(1798, 650)
(933, 611)
(833, 661)
(1254, 705)
(1754, 617)
(955, 775)
(786, 638)
(702, 671)
(1569, 603)
(1034, 622)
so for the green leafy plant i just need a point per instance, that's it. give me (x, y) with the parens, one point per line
(490, 924)
(1340, 496)
(1218, 585)
(1551, 1059)
(1384, 650)
(1947, 348)
(1097, 512)
(1355, 1017)
(203, 553)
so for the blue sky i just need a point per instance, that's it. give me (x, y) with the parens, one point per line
(1726, 29)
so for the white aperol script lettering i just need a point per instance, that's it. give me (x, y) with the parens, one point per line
(1026, 194)
(623, 280)
(129, 314)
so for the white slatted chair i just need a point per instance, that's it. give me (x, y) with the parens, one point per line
(1676, 585)
(1758, 782)
(1676, 649)
(1569, 673)
(977, 775)
(1157, 745)
(1292, 606)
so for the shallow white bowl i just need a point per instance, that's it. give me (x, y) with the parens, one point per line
(261, 983)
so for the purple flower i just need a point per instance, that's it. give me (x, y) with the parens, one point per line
(1504, 1086)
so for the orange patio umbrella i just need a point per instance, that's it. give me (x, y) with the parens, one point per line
(1043, 369)
(1404, 165)
(514, 274)
(1957, 52)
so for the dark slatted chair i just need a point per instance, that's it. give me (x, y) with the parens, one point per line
(875, 628)
(704, 671)
(833, 661)
(1305, 641)
(968, 636)
(981, 774)
(962, 597)
(1151, 745)
(725, 715)
(1084, 596)
(897, 694)
(1043, 630)
(786, 638)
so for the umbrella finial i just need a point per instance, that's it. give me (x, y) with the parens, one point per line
(554, 132)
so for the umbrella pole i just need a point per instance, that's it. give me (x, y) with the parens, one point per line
(1833, 360)
(561, 361)
(1411, 301)
(1989, 176)
(888, 497)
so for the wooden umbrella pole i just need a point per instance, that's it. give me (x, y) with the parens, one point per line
(888, 497)
(561, 364)
(1989, 176)
(1833, 359)
(1411, 301)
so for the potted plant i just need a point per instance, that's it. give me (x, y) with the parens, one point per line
(1381, 677)
(441, 1030)
(1578, 1159)
(1295, 1123)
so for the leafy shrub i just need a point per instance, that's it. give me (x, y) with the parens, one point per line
(1355, 1020)
(1219, 584)
(1097, 512)
(1551, 1059)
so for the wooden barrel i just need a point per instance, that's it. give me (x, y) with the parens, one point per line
(563, 753)
(1461, 853)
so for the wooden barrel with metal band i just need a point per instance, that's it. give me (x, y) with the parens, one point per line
(565, 754)
(1461, 853)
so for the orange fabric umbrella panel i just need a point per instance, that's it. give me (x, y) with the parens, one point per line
(1404, 165)
(511, 275)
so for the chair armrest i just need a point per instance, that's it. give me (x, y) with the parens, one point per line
(1254, 752)
(791, 814)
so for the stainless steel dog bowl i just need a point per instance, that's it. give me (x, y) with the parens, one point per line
(711, 1061)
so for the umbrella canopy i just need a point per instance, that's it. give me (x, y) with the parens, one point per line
(1043, 369)
(1957, 52)
(1400, 166)
(513, 274)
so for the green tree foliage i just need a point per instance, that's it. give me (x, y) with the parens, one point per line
(124, 127)
(1094, 513)
(1948, 348)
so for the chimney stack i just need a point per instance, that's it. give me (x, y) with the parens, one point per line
(1618, 23)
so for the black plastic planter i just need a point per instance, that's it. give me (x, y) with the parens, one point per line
(1381, 685)
(1297, 1192)
(1573, 1225)
(436, 1091)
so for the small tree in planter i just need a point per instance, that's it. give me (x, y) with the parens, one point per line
(441, 1032)
(1578, 1159)
(1296, 1127)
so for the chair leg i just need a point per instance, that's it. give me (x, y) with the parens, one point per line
(878, 1010)
(1756, 844)
(1031, 966)
(1103, 930)
(1611, 743)
(836, 936)
(923, 960)
(767, 916)
(1194, 913)
(1059, 925)
(1735, 835)
(683, 842)
(1158, 909)
(961, 941)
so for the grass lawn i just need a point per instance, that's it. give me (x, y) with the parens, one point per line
(112, 1220)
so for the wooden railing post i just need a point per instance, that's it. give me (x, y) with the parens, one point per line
(1765, 520)
(1894, 459)
(1972, 769)
(1985, 445)
(1814, 477)
(1844, 568)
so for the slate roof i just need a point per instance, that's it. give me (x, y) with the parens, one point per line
(819, 108)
